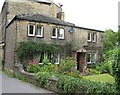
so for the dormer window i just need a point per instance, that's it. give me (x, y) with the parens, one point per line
(94, 37)
(31, 30)
(89, 37)
(54, 33)
(61, 33)
(39, 31)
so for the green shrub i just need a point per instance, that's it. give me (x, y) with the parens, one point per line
(116, 69)
(47, 68)
(68, 84)
(42, 78)
(73, 74)
(45, 61)
(33, 68)
(91, 66)
(92, 72)
(67, 64)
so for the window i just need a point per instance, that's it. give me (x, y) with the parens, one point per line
(54, 33)
(61, 33)
(31, 30)
(41, 58)
(57, 58)
(94, 37)
(91, 58)
(53, 58)
(39, 31)
(89, 37)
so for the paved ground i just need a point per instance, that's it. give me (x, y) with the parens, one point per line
(12, 85)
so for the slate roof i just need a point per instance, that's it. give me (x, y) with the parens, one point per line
(43, 18)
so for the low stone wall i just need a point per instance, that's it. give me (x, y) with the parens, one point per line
(51, 85)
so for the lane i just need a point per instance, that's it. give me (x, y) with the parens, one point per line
(12, 85)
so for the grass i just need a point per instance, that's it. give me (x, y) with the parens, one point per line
(101, 78)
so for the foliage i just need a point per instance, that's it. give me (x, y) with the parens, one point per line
(67, 64)
(116, 69)
(30, 48)
(42, 78)
(20, 77)
(106, 66)
(92, 72)
(47, 68)
(110, 39)
(73, 74)
(94, 88)
(92, 66)
(33, 68)
(45, 61)
(68, 84)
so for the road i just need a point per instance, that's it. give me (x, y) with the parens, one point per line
(12, 85)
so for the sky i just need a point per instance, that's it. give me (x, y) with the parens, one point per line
(94, 14)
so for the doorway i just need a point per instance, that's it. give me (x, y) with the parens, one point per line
(80, 61)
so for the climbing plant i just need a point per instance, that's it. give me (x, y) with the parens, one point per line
(27, 49)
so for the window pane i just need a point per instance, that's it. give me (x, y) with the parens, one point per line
(54, 32)
(38, 30)
(89, 58)
(89, 36)
(31, 29)
(94, 37)
(41, 57)
(61, 33)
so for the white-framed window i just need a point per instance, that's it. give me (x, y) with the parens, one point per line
(31, 30)
(54, 32)
(39, 31)
(94, 58)
(41, 57)
(57, 59)
(91, 58)
(89, 37)
(61, 33)
(94, 37)
(53, 58)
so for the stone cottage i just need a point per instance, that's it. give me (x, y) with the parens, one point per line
(43, 21)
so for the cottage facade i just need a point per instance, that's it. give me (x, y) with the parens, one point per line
(43, 21)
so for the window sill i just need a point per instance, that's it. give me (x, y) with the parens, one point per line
(39, 36)
(30, 35)
(89, 41)
(54, 37)
(61, 38)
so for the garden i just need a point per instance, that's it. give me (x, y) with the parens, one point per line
(99, 78)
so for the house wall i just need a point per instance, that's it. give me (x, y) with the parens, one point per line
(32, 7)
(1, 50)
(80, 41)
(10, 46)
(23, 36)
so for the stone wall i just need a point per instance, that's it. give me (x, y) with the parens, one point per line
(10, 45)
(32, 7)
(23, 36)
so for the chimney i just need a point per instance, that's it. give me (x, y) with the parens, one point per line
(61, 15)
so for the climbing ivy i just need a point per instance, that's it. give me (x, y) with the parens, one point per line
(27, 49)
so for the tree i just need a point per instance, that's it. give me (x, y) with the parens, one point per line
(110, 40)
